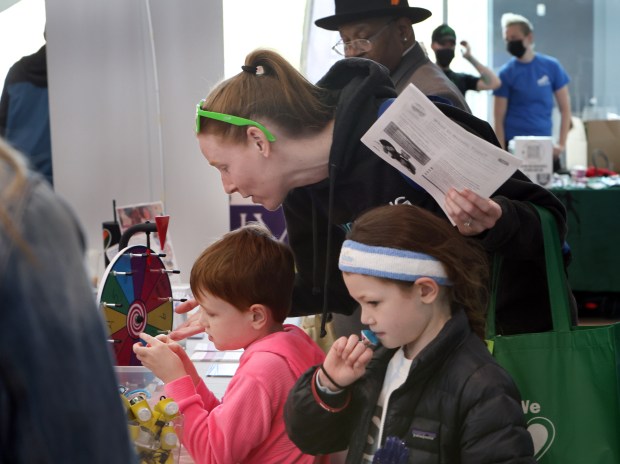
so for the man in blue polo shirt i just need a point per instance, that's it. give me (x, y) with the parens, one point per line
(530, 81)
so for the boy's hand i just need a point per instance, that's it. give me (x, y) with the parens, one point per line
(159, 358)
(188, 364)
(346, 362)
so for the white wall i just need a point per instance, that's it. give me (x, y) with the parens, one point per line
(21, 31)
(478, 30)
(606, 65)
(251, 24)
(124, 79)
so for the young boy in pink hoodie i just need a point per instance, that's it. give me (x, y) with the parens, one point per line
(244, 284)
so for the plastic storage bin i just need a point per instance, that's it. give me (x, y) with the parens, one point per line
(154, 422)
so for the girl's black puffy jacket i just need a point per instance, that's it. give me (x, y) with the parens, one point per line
(457, 406)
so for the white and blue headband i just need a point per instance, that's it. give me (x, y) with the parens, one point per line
(390, 263)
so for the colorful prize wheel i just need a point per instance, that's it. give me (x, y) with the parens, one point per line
(136, 297)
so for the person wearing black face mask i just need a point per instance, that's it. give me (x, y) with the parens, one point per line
(530, 83)
(443, 44)
(516, 48)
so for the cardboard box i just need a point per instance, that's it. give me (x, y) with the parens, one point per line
(537, 156)
(604, 135)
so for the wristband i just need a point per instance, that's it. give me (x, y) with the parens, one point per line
(325, 389)
(340, 387)
(317, 397)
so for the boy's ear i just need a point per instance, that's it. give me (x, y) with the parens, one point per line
(429, 289)
(257, 138)
(258, 314)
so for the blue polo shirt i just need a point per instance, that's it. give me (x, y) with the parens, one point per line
(530, 88)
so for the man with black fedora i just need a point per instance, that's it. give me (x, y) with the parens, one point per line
(381, 30)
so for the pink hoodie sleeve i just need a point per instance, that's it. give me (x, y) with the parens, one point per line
(183, 388)
(227, 431)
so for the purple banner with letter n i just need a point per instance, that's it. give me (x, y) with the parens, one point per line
(243, 211)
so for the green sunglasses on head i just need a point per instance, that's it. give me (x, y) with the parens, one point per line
(235, 120)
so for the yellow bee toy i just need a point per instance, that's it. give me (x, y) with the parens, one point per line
(152, 430)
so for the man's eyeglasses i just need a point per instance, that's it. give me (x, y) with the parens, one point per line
(359, 45)
(235, 120)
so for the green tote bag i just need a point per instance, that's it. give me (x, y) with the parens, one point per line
(569, 378)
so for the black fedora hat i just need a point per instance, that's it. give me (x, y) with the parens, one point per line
(351, 10)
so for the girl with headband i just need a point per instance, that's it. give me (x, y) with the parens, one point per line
(430, 384)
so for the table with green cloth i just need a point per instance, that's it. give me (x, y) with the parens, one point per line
(593, 217)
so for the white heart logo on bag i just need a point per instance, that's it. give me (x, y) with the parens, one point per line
(543, 434)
